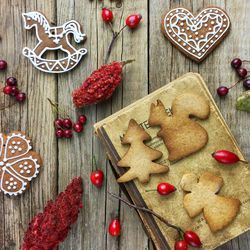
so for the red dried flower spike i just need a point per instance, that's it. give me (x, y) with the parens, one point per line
(51, 227)
(226, 157)
(100, 85)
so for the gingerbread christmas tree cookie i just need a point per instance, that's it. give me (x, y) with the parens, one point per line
(139, 157)
(18, 164)
(218, 211)
(182, 135)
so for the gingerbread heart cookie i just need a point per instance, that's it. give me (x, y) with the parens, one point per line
(18, 164)
(196, 36)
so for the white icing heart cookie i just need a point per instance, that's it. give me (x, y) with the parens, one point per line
(196, 36)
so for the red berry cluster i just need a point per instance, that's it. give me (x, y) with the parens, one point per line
(49, 228)
(236, 63)
(64, 126)
(12, 90)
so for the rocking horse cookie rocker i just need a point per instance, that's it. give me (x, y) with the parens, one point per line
(53, 38)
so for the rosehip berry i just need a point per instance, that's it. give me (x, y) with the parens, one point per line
(14, 91)
(3, 65)
(242, 72)
(59, 133)
(225, 157)
(82, 119)
(115, 228)
(165, 188)
(180, 245)
(133, 21)
(11, 81)
(67, 123)
(7, 90)
(246, 84)
(236, 63)
(78, 127)
(97, 177)
(107, 15)
(58, 123)
(192, 239)
(67, 133)
(222, 91)
(20, 97)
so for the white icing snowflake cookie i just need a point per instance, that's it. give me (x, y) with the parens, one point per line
(196, 36)
(18, 164)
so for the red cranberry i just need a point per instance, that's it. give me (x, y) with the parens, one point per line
(192, 239)
(133, 21)
(68, 133)
(181, 245)
(7, 90)
(82, 119)
(222, 91)
(3, 65)
(236, 63)
(11, 81)
(97, 177)
(14, 91)
(58, 123)
(78, 127)
(107, 15)
(115, 228)
(242, 72)
(246, 84)
(165, 188)
(59, 133)
(67, 123)
(20, 97)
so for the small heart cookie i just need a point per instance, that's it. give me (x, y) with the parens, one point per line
(196, 36)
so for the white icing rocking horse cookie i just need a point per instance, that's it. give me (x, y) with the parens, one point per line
(53, 38)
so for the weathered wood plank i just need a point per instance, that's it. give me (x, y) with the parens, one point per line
(33, 116)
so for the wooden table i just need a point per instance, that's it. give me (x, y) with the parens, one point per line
(157, 63)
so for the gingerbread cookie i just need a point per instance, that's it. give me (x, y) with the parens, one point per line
(18, 164)
(53, 38)
(182, 135)
(139, 157)
(196, 36)
(218, 211)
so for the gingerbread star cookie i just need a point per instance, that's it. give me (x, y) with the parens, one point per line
(181, 135)
(203, 197)
(18, 164)
(139, 157)
(196, 36)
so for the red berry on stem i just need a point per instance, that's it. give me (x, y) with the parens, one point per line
(133, 21)
(59, 133)
(82, 119)
(236, 63)
(180, 245)
(58, 123)
(246, 84)
(192, 239)
(67, 133)
(7, 90)
(115, 227)
(97, 177)
(226, 157)
(20, 97)
(78, 127)
(67, 123)
(165, 188)
(11, 81)
(3, 65)
(242, 72)
(107, 15)
(14, 91)
(222, 91)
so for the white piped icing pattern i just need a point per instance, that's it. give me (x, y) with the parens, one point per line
(196, 32)
(18, 164)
